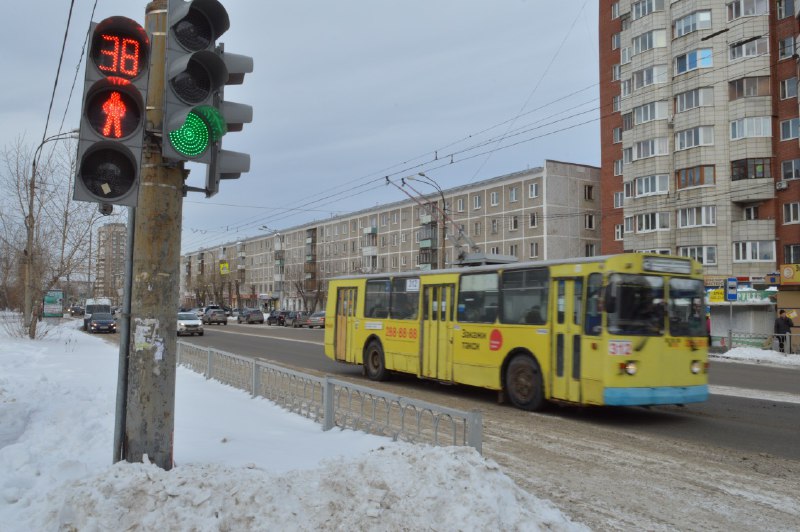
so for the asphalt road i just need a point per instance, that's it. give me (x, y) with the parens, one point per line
(747, 417)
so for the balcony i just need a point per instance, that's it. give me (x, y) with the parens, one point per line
(427, 243)
(369, 251)
(749, 190)
(279, 254)
(425, 219)
(371, 230)
(753, 230)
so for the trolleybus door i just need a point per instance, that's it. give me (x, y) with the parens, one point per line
(345, 322)
(437, 316)
(566, 338)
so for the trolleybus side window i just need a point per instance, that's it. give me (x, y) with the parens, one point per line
(593, 321)
(635, 304)
(525, 296)
(405, 298)
(686, 308)
(376, 301)
(478, 298)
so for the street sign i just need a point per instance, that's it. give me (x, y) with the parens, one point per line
(731, 288)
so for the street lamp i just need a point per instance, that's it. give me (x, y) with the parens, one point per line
(443, 217)
(30, 226)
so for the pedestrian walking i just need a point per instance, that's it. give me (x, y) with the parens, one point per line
(783, 326)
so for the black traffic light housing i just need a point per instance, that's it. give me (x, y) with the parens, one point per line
(113, 113)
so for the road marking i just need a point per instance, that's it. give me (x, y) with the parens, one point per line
(781, 397)
(268, 336)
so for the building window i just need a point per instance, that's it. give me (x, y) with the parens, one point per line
(476, 202)
(615, 104)
(615, 72)
(627, 122)
(617, 135)
(785, 8)
(494, 250)
(492, 199)
(533, 220)
(618, 199)
(652, 221)
(649, 76)
(699, 20)
(648, 41)
(494, 226)
(697, 217)
(628, 189)
(703, 97)
(590, 250)
(460, 204)
(588, 221)
(625, 55)
(750, 169)
(645, 7)
(625, 88)
(747, 8)
(628, 224)
(791, 213)
(618, 167)
(650, 148)
(756, 126)
(588, 192)
(790, 129)
(513, 249)
(751, 213)
(618, 232)
(627, 157)
(789, 88)
(615, 41)
(749, 49)
(649, 112)
(791, 169)
(703, 254)
(652, 184)
(791, 254)
(615, 10)
(754, 251)
(747, 87)
(786, 47)
(512, 194)
(696, 136)
(702, 58)
(534, 250)
(513, 223)
(533, 190)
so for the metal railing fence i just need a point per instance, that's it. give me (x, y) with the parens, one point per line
(336, 403)
(791, 344)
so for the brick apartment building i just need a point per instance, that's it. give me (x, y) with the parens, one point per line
(700, 132)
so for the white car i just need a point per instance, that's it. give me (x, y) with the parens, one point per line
(189, 324)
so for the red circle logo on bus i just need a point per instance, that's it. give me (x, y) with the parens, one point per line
(495, 340)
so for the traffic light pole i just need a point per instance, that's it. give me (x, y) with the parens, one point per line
(149, 418)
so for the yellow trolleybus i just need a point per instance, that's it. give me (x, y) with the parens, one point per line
(625, 329)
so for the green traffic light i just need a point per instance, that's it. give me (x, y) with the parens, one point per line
(203, 125)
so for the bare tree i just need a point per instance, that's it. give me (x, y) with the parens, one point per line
(61, 228)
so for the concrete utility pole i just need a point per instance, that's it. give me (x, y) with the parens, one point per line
(149, 418)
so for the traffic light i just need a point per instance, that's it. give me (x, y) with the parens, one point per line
(113, 113)
(197, 69)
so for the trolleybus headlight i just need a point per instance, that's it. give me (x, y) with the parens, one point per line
(628, 367)
(696, 367)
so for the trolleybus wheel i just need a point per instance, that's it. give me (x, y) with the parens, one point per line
(524, 383)
(374, 362)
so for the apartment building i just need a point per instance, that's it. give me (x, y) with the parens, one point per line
(110, 262)
(699, 128)
(547, 212)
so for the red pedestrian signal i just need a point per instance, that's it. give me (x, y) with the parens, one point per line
(113, 113)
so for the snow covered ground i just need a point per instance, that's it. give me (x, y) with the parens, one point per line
(241, 463)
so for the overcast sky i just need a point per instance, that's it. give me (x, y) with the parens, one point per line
(347, 92)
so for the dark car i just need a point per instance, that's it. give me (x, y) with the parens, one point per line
(76, 310)
(102, 322)
(215, 315)
(295, 318)
(250, 315)
(277, 318)
(315, 320)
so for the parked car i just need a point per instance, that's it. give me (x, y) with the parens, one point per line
(76, 310)
(250, 315)
(277, 318)
(315, 320)
(102, 322)
(215, 315)
(294, 318)
(189, 323)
